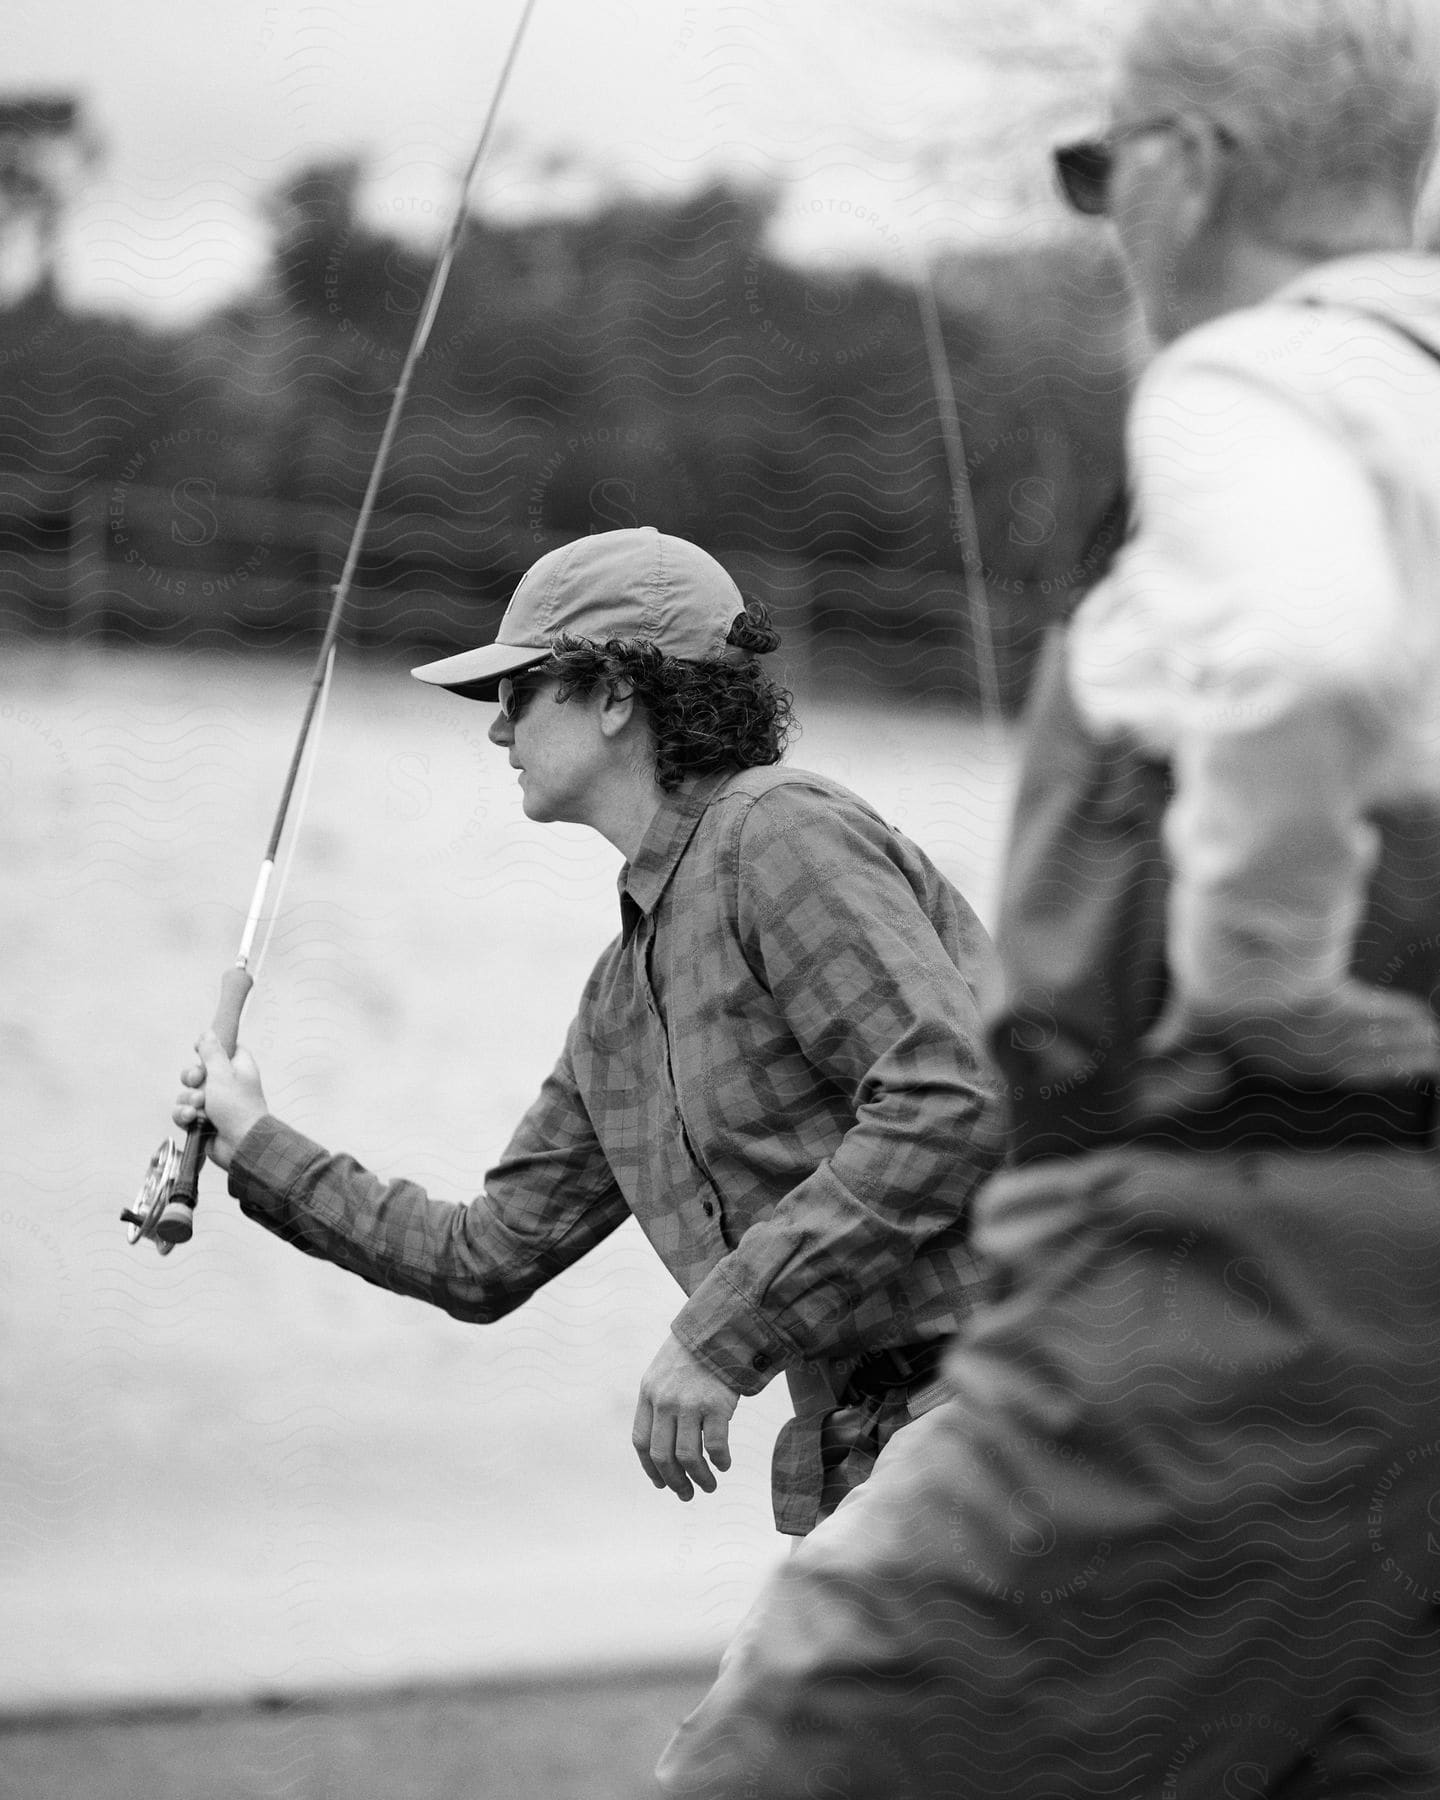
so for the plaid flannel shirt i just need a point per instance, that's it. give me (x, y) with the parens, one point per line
(776, 1067)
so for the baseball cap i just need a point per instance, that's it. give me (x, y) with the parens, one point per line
(639, 585)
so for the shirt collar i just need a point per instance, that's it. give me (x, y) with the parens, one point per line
(645, 879)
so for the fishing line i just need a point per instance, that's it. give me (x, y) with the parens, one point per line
(164, 1209)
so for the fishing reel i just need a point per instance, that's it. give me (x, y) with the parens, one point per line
(164, 1209)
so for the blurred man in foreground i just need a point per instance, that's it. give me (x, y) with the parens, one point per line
(1174, 1536)
(776, 1066)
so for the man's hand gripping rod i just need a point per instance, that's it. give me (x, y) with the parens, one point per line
(164, 1209)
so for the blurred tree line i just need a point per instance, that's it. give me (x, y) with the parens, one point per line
(652, 363)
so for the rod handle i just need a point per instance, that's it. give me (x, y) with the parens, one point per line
(177, 1221)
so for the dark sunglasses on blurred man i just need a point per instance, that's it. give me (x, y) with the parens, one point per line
(1084, 169)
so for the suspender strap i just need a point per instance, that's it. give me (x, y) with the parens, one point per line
(1422, 344)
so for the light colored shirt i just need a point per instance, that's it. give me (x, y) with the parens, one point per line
(1273, 629)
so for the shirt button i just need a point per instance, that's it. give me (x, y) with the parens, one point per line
(760, 1361)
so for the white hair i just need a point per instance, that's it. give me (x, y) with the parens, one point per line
(1322, 95)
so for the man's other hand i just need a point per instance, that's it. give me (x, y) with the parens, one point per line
(683, 1416)
(223, 1090)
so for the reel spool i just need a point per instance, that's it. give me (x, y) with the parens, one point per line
(156, 1214)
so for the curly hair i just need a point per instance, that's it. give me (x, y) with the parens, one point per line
(704, 716)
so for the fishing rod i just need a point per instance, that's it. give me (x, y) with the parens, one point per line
(977, 596)
(164, 1210)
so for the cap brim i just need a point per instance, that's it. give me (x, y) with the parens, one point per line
(476, 674)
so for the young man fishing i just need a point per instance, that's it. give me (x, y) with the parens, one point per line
(775, 1066)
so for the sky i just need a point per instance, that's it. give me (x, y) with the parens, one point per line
(891, 128)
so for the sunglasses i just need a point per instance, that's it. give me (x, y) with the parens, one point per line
(515, 691)
(1084, 170)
